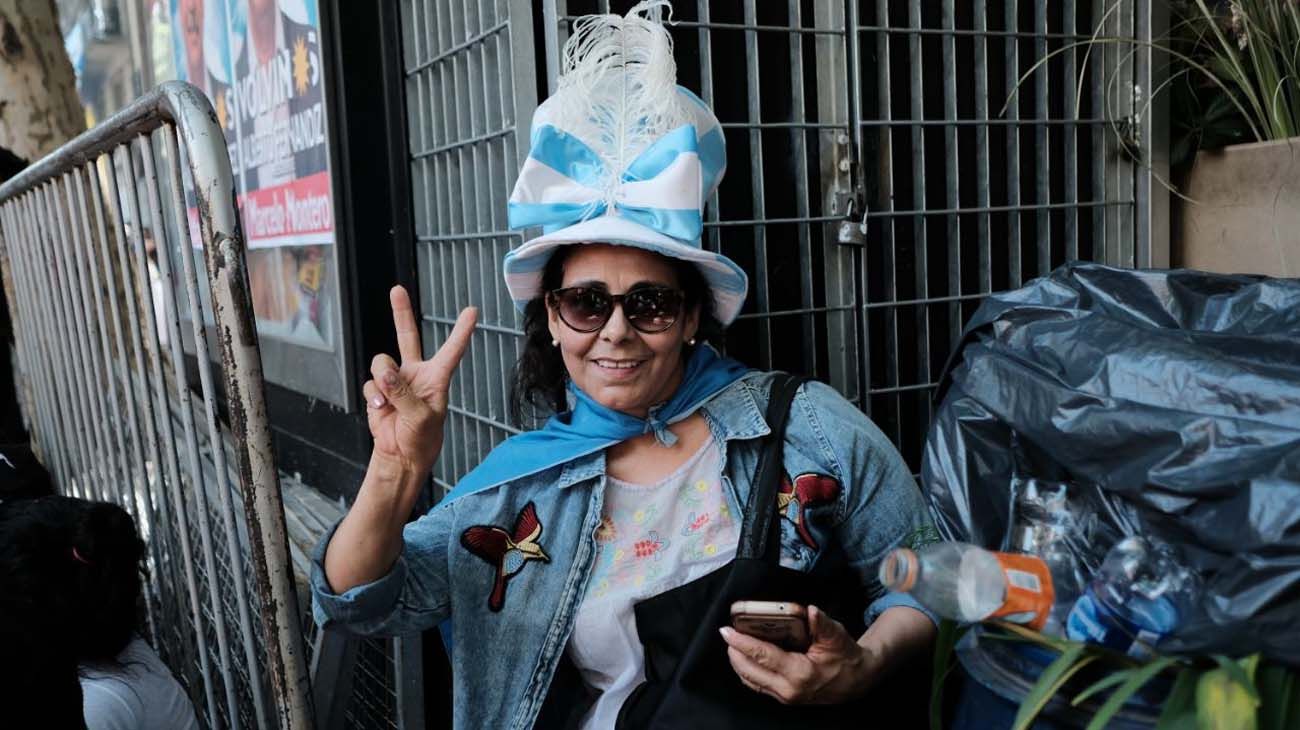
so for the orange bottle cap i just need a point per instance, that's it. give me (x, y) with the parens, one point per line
(900, 569)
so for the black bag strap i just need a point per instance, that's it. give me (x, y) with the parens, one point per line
(760, 527)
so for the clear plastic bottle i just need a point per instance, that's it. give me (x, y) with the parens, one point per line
(1140, 596)
(968, 583)
(1046, 524)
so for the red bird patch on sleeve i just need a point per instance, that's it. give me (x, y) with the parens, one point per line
(508, 552)
(807, 490)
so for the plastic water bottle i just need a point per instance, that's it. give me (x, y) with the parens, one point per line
(967, 583)
(1046, 525)
(1135, 601)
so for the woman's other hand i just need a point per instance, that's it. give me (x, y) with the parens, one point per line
(835, 669)
(406, 403)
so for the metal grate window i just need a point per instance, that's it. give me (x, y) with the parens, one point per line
(374, 694)
(989, 138)
(470, 93)
(950, 129)
(888, 113)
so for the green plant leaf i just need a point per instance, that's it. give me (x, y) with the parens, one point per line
(1126, 690)
(1185, 720)
(1220, 111)
(1017, 631)
(1049, 682)
(1102, 684)
(1250, 664)
(1279, 698)
(949, 634)
(1180, 705)
(1223, 702)
(1184, 149)
(1292, 718)
(1240, 675)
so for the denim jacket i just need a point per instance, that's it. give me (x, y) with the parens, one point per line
(514, 614)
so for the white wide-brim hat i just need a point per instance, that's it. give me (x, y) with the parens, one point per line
(621, 155)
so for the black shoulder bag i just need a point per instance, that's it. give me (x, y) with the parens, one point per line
(689, 681)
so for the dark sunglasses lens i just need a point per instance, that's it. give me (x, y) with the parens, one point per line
(652, 310)
(585, 309)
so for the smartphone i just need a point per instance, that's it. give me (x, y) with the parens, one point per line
(779, 622)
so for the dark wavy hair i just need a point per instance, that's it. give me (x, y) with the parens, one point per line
(70, 590)
(538, 387)
(78, 565)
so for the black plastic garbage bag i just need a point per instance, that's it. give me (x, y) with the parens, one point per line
(1172, 399)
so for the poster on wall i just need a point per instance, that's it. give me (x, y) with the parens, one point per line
(260, 64)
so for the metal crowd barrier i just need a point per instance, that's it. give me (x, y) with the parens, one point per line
(114, 348)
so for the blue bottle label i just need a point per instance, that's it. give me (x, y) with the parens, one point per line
(1135, 632)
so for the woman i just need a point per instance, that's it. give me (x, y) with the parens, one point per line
(541, 553)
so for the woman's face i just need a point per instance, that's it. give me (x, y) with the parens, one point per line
(191, 17)
(617, 365)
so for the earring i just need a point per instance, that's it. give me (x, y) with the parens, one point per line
(691, 342)
(555, 343)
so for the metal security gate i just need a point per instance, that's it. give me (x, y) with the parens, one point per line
(103, 285)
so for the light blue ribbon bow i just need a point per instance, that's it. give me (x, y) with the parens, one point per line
(586, 176)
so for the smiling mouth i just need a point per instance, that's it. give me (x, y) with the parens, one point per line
(618, 364)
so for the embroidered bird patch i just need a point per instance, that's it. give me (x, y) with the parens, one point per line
(808, 490)
(507, 552)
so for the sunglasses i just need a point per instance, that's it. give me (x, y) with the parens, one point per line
(648, 309)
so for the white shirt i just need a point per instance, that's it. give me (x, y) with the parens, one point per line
(652, 538)
(142, 694)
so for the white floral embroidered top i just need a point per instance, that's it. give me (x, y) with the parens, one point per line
(652, 538)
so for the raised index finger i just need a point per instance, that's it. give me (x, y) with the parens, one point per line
(449, 355)
(408, 334)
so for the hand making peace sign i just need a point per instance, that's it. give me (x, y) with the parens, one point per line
(406, 405)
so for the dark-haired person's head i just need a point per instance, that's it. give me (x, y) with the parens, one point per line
(82, 561)
(70, 588)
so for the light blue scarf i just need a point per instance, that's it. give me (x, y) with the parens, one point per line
(590, 427)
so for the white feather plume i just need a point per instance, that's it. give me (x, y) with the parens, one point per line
(618, 85)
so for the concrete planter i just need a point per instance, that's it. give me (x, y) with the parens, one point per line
(1246, 218)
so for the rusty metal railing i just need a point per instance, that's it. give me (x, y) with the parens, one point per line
(114, 342)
